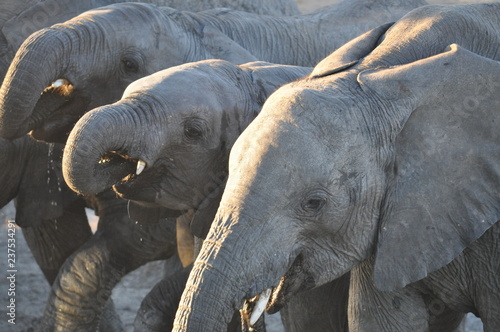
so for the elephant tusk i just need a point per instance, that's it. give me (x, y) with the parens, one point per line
(60, 82)
(260, 306)
(141, 165)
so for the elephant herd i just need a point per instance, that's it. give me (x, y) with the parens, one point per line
(341, 167)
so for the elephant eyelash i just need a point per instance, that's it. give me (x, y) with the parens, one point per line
(194, 129)
(130, 65)
(314, 202)
(131, 61)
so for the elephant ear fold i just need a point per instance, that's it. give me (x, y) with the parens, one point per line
(349, 54)
(444, 186)
(220, 46)
(205, 214)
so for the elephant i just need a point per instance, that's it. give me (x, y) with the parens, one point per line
(172, 150)
(52, 238)
(45, 207)
(54, 222)
(52, 217)
(19, 19)
(384, 162)
(120, 245)
(89, 60)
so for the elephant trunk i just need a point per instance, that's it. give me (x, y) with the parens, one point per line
(100, 150)
(37, 65)
(237, 262)
(212, 308)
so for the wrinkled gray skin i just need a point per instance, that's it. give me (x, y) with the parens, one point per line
(157, 311)
(52, 239)
(86, 280)
(184, 137)
(21, 18)
(100, 52)
(52, 217)
(384, 161)
(181, 121)
(54, 222)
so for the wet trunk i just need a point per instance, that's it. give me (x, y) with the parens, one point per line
(38, 63)
(99, 152)
(227, 271)
(208, 311)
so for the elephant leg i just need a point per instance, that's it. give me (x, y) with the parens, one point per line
(157, 310)
(369, 309)
(84, 285)
(52, 242)
(321, 309)
(441, 317)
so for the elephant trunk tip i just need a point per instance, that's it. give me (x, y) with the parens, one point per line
(89, 176)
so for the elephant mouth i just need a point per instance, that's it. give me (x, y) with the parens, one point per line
(272, 300)
(139, 182)
(56, 112)
(127, 176)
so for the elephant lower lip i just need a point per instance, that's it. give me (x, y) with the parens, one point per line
(277, 300)
(295, 280)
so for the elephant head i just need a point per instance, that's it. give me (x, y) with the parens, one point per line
(167, 141)
(400, 162)
(61, 72)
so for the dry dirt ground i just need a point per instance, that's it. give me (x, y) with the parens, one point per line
(31, 289)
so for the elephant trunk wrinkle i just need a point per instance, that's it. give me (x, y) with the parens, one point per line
(21, 88)
(96, 160)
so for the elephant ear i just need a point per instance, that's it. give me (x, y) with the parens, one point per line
(220, 46)
(349, 54)
(445, 189)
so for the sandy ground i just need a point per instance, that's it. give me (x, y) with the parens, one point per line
(32, 290)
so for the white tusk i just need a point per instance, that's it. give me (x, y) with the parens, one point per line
(141, 165)
(60, 82)
(260, 306)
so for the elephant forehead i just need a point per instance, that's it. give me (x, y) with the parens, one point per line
(301, 136)
(202, 78)
(121, 13)
(295, 115)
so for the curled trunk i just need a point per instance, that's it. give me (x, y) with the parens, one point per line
(27, 78)
(227, 271)
(100, 150)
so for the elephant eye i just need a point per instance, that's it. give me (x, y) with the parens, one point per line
(193, 130)
(314, 202)
(130, 65)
